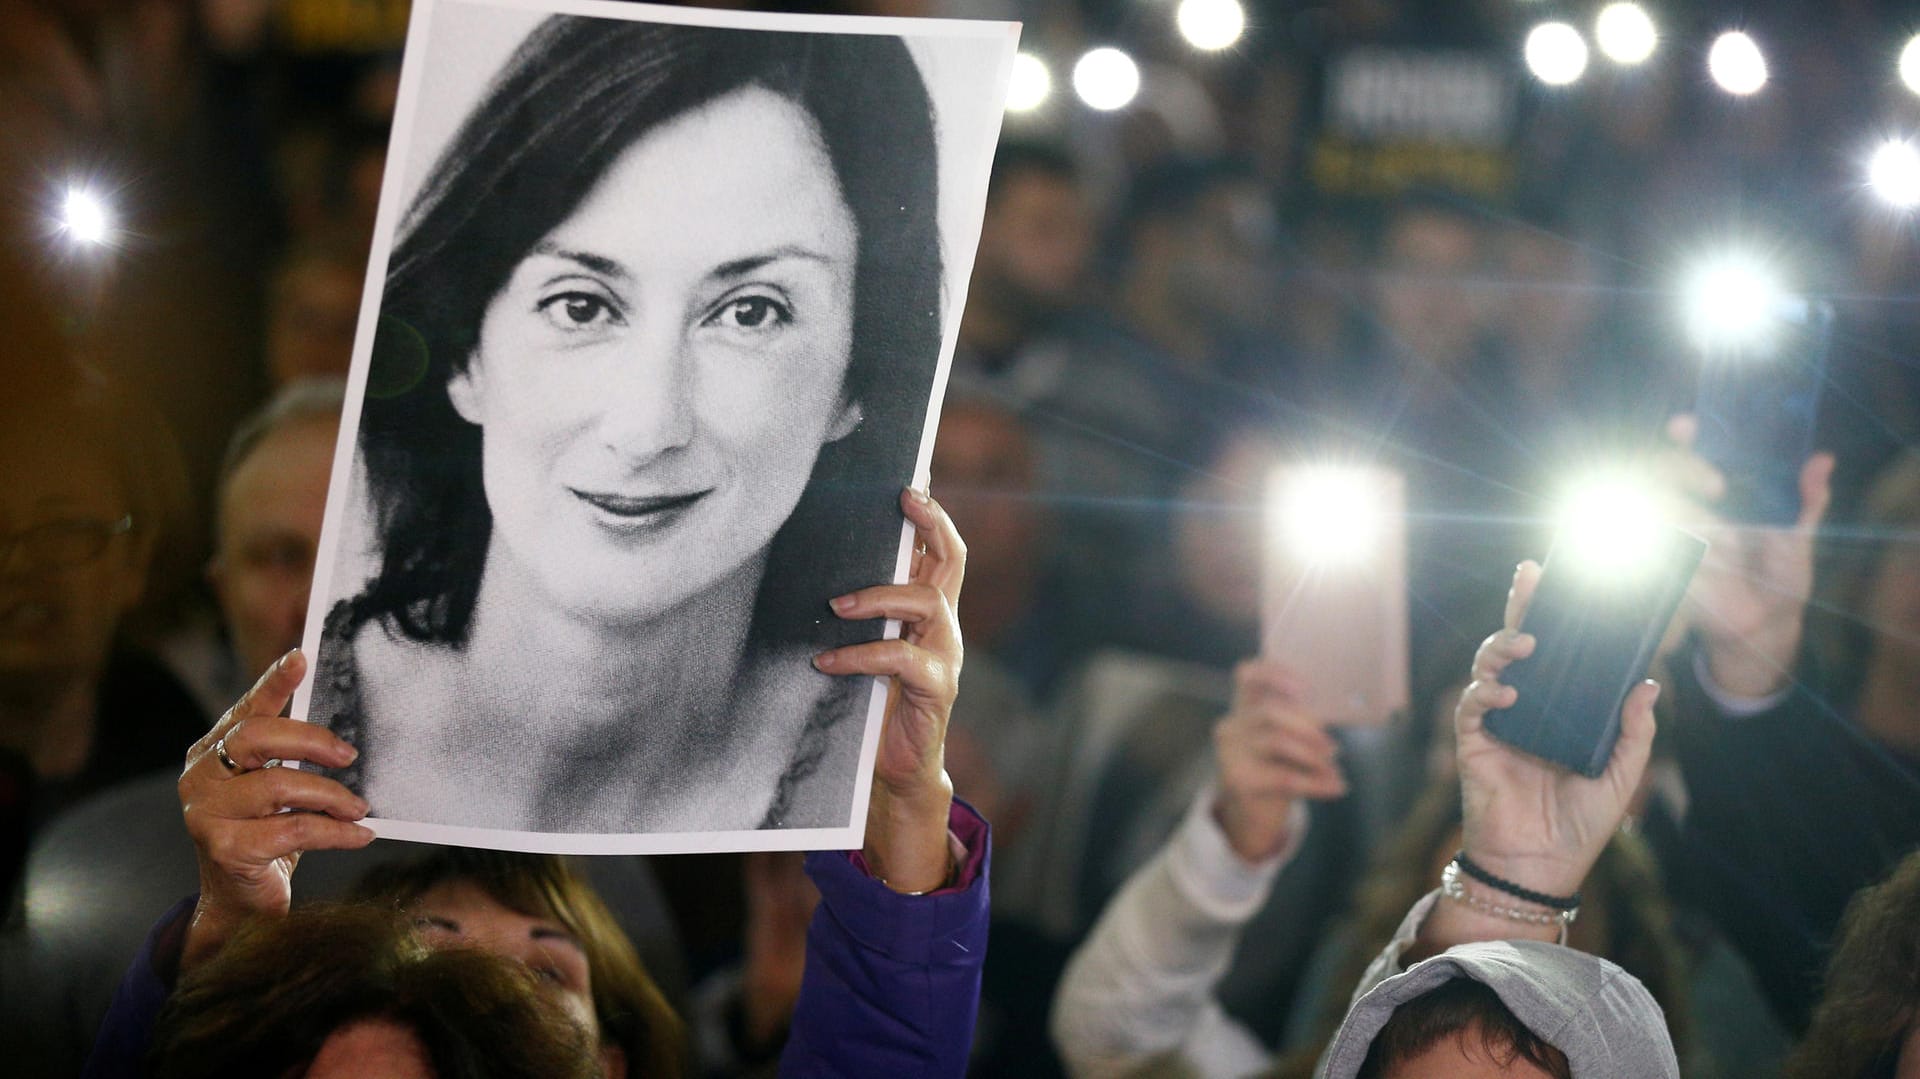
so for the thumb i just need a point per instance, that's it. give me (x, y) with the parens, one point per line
(1635, 746)
(1816, 479)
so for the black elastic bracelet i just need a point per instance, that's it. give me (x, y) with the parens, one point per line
(1538, 899)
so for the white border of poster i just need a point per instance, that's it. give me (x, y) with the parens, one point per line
(454, 49)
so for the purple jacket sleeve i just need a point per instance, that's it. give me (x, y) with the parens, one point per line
(127, 1031)
(892, 982)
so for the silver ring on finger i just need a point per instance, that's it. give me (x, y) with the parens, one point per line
(226, 760)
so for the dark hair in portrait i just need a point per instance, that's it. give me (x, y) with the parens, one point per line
(574, 96)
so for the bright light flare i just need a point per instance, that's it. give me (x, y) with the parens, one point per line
(1328, 515)
(1732, 301)
(1625, 33)
(1611, 525)
(1106, 79)
(1735, 62)
(1030, 84)
(1556, 53)
(1910, 64)
(1210, 25)
(86, 217)
(1894, 174)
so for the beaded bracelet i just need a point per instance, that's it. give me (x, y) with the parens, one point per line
(1538, 899)
(1451, 887)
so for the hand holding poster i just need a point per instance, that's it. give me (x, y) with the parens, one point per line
(659, 339)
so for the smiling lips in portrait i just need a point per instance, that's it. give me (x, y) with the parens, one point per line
(656, 378)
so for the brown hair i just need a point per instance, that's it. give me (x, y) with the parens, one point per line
(268, 1002)
(1872, 999)
(634, 1015)
(1625, 903)
(1459, 1009)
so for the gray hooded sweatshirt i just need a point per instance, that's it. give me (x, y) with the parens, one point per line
(1600, 1016)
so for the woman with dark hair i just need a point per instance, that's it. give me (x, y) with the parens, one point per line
(656, 338)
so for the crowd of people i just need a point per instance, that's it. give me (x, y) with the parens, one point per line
(1192, 873)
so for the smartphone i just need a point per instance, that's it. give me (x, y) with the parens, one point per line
(1595, 634)
(1757, 407)
(1335, 584)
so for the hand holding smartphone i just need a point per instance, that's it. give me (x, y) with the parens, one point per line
(1596, 627)
(1757, 406)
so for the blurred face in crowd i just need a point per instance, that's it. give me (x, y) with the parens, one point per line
(269, 521)
(1893, 607)
(1218, 537)
(70, 566)
(1550, 294)
(1225, 270)
(460, 912)
(316, 307)
(1034, 242)
(1427, 296)
(983, 467)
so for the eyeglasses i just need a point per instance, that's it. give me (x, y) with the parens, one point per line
(62, 544)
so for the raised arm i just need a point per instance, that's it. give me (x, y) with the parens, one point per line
(1528, 822)
(894, 953)
(1142, 985)
(233, 793)
(1748, 602)
(232, 798)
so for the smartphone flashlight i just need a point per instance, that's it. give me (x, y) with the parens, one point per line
(1595, 639)
(1610, 525)
(1733, 302)
(1331, 515)
(1335, 603)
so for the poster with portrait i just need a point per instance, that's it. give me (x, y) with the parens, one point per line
(659, 313)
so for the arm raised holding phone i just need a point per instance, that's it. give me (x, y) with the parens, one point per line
(1143, 984)
(1527, 821)
(1795, 797)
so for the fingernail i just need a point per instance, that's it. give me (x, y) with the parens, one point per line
(366, 833)
(352, 754)
(823, 661)
(841, 603)
(919, 495)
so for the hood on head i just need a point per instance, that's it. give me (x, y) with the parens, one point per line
(1600, 1016)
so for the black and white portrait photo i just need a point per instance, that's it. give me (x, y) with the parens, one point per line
(661, 312)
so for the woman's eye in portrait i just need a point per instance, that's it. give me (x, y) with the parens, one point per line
(574, 311)
(750, 314)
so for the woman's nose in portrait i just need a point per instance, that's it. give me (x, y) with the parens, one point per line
(649, 408)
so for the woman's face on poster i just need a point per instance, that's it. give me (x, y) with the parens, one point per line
(658, 375)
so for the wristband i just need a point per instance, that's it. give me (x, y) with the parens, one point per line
(1452, 888)
(1538, 899)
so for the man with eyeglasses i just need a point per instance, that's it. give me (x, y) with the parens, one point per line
(84, 477)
